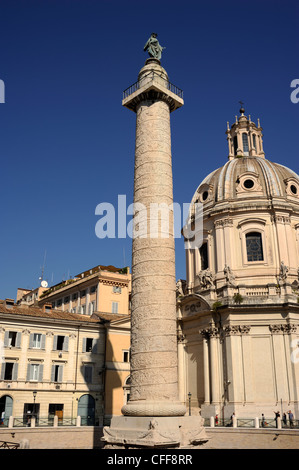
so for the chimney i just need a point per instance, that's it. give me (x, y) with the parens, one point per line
(47, 307)
(9, 303)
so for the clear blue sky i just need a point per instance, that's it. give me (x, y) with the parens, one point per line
(66, 142)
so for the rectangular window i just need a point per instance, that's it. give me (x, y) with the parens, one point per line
(56, 409)
(117, 289)
(35, 372)
(114, 307)
(254, 246)
(126, 356)
(60, 343)
(37, 340)
(93, 289)
(89, 345)
(12, 338)
(74, 296)
(9, 371)
(57, 372)
(89, 342)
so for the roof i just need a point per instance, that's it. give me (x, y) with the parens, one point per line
(112, 317)
(37, 312)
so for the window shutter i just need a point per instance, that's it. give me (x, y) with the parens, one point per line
(6, 339)
(114, 307)
(55, 343)
(53, 373)
(15, 371)
(43, 343)
(31, 341)
(2, 370)
(60, 374)
(94, 346)
(18, 340)
(84, 345)
(66, 344)
(40, 372)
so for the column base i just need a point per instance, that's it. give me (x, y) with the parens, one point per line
(152, 432)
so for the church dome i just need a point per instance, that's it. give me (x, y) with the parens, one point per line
(245, 177)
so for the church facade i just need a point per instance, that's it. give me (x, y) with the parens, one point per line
(238, 311)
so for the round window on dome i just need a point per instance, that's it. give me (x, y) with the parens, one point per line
(205, 195)
(248, 183)
(293, 189)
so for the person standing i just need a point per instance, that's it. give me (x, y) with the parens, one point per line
(291, 418)
(277, 415)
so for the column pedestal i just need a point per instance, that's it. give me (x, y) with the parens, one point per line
(153, 432)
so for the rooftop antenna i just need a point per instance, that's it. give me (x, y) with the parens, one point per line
(43, 283)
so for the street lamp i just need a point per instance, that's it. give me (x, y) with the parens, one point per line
(34, 398)
(189, 396)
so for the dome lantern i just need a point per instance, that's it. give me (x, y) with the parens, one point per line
(245, 139)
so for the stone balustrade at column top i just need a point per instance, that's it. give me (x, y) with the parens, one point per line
(153, 83)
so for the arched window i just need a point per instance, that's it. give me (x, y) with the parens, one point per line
(254, 246)
(245, 144)
(235, 145)
(204, 260)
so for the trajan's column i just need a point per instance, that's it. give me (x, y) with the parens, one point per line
(154, 416)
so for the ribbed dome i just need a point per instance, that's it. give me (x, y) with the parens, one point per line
(248, 177)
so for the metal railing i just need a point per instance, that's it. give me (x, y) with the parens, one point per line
(170, 86)
(67, 422)
(9, 445)
(267, 423)
(49, 421)
(246, 423)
